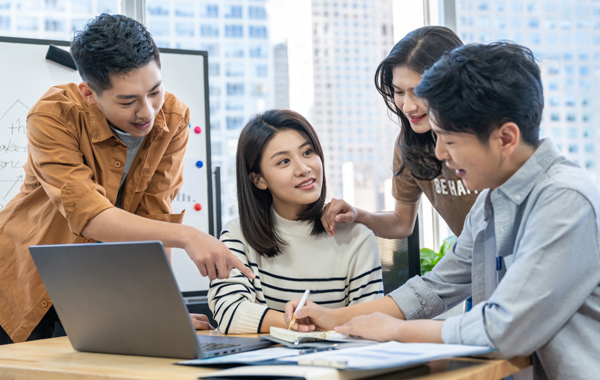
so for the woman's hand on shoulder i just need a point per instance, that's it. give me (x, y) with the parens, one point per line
(337, 211)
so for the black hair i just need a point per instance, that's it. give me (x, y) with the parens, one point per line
(478, 87)
(256, 218)
(111, 44)
(417, 51)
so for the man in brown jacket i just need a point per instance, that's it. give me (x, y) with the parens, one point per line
(105, 160)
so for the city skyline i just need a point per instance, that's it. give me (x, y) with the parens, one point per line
(245, 37)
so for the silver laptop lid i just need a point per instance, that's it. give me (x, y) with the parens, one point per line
(119, 298)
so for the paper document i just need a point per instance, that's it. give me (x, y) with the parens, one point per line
(275, 372)
(384, 355)
(262, 372)
(372, 357)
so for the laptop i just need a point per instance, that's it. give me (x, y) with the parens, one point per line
(122, 298)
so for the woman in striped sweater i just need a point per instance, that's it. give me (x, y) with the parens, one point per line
(279, 235)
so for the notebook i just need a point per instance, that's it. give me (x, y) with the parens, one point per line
(122, 298)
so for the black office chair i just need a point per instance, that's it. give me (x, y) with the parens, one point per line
(400, 259)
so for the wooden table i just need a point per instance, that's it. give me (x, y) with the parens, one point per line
(54, 359)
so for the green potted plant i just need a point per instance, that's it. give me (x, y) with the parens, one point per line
(429, 257)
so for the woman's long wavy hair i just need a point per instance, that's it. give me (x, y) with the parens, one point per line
(417, 51)
(256, 218)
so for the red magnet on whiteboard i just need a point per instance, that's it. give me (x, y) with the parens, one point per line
(198, 130)
(198, 207)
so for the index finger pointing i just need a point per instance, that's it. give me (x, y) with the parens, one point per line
(243, 268)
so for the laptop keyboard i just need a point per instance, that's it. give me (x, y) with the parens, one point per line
(216, 346)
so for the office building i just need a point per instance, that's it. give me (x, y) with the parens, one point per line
(281, 80)
(50, 19)
(235, 33)
(349, 40)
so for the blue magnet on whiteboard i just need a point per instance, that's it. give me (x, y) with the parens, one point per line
(199, 164)
(190, 125)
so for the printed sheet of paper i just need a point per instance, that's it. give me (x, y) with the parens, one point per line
(385, 355)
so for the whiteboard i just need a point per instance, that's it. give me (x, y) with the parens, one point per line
(25, 75)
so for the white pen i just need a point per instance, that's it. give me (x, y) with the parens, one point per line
(300, 305)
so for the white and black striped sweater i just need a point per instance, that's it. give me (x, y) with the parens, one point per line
(339, 271)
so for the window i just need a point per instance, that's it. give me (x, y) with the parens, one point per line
(257, 13)
(262, 71)
(81, 6)
(517, 6)
(29, 24)
(234, 31)
(213, 69)
(212, 49)
(234, 51)
(534, 23)
(184, 29)
(234, 105)
(54, 25)
(570, 101)
(209, 11)
(54, 5)
(234, 70)
(259, 90)
(235, 122)
(257, 32)
(258, 51)
(550, 6)
(216, 148)
(184, 9)
(208, 30)
(214, 108)
(584, 70)
(214, 90)
(4, 22)
(156, 9)
(233, 11)
(235, 89)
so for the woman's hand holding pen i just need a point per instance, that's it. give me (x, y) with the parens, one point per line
(337, 211)
(310, 317)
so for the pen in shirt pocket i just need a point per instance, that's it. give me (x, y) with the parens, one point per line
(499, 269)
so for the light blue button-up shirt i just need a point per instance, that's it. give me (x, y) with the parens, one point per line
(529, 255)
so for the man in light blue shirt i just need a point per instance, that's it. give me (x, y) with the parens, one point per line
(529, 251)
